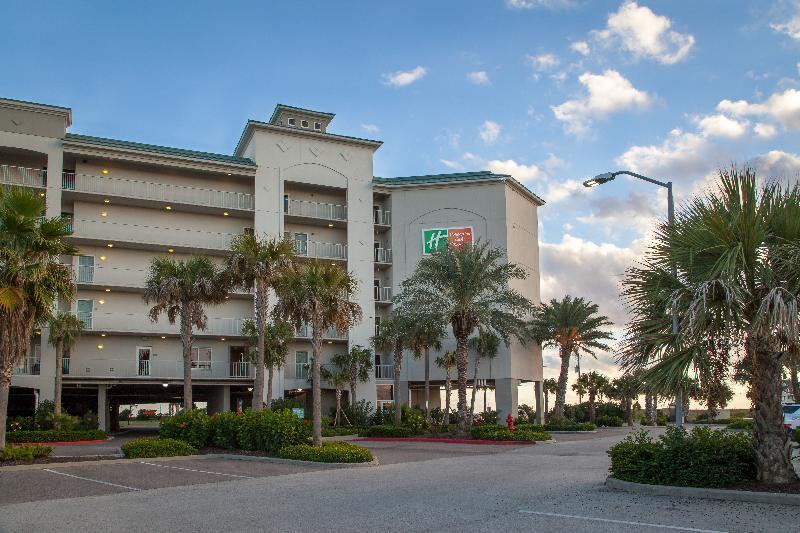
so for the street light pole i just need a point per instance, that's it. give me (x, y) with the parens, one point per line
(600, 179)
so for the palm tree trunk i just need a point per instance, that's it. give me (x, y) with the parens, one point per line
(57, 384)
(649, 419)
(5, 386)
(546, 402)
(592, 412)
(629, 411)
(261, 323)
(428, 385)
(398, 409)
(353, 379)
(269, 386)
(794, 382)
(462, 362)
(338, 406)
(561, 391)
(186, 339)
(772, 447)
(474, 389)
(447, 391)
(316, 385)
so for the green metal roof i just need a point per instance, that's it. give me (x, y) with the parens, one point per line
(164, 150)
(432, 179)
(279, 107)
(60, 108)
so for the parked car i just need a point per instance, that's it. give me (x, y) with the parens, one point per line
(791, 416)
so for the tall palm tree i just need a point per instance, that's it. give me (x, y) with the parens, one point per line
(338, 375)
(181, 289)
(471, 287)
(318, 294)
(31, 277)
(276, 338)
(573, 326)
(65, 328)
(360, 363)
(394, 334)
(736, 251)
(427, 332)
(626, 389)
(486, 345)
(447, 361)
(256, 264)
(549, 386)
(593, 383)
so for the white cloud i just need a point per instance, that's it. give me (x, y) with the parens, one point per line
(558, 191)
(370, 128)
(721, 126)
(783, 108)
(608, 93)
(644, 34)
(533, 4)
(765, 131)
(582, 47)
(455, 165)
(791, 27)
(559, 76)
(542, 62)
(478, 77)
(489, 131)
(777, 165)
(520, 171)
(401, 78)
(682, 156)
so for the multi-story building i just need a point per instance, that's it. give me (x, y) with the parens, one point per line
(288, 176)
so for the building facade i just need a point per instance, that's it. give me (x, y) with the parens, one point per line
(288, 177)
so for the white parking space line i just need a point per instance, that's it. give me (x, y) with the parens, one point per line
(195, 470)
(90, 479)
(640, 524)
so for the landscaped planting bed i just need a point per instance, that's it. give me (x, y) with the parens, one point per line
(12, 455)
(157, 447)
(328, 452)
(54, 435)
(501, 433)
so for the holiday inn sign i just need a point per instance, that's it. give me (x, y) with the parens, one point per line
(441, 238)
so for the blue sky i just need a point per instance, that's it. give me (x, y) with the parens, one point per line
(551, 91)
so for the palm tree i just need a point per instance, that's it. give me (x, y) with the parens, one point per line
(318, 294)
(626, 389)
(549, 386)
(338, 375)
(65, 328)
(573, 326)
(470, 286)
(427, 332)
(276, 338)
(360, 363)
(31, 278)
(446, 361)
(394, 334)
(256, 264)
(486, 345)
(736, 251)
(593, 384)
(181, 289)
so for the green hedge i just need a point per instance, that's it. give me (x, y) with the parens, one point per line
(224, 430)
(531, 427)
(192, 426)
(523, 433)
(702, 458)
(53, 435)
(338, 431)
(565, 424)
(25, 453)
(386, 430)
(609, 421)
(157, 447)
(739, 423)
(328, 452)
(269, 431)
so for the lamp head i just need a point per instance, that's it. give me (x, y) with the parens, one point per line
(600, 179)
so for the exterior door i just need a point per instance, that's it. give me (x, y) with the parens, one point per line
(301, 243)
(85, 269)
(143, 359)
(84, 312)
(240, 367)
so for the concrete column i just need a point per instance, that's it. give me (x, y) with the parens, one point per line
(103, 408)
(47, 367)
(539, 402)
(55, 164)
(506, 396)
(220, 399)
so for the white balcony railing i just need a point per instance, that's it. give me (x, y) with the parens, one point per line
(383, 294)
(65, 365)
(139, 323)
(382, 218)
(31, 366)
(22, 176)
(301, 370)
(121, 277)
(162, 192)
(155, 368)
(158, 235)
(305, 208)
(383, 255)
(320, 250)
(330, 333)
(384, 371)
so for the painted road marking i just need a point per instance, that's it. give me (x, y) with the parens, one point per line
(90, 479)
(643, 524)
(195, 470)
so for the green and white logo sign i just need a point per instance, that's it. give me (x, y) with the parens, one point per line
(442, 238)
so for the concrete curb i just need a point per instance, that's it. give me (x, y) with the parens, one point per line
(709, 494)
(570, 432)
(262, 459)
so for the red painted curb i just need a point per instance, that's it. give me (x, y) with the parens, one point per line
(67, 443)
(449, 441)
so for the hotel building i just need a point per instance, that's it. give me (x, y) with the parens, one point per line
(288, 176)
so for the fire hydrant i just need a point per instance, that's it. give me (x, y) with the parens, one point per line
(510, 422)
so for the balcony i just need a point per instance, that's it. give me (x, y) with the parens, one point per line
(139, 323)
(384, 371)
(383, 256)
(22, 176)
(329, 334)
(383, 295)
(382, 218)
(167, 369)
(160, 192)
(139, 234)
(31, 366)
(308, 209)
(320, 250)
(110, 276)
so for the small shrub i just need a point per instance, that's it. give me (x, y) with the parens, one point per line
(386, 430)
(525, 435)
(702, 458)
(661, 419)
(494, 432)
(62, 422)
(564, 424)
(53, 435)
(609, 421)
(270, 431)
(415, 421)
(526, 414)
(360, 413)
(328, 452)
(25, 453)
(279, 404)
(339, 431)
(192, 426)
(225, 429)
(530, 427)
(739, 423)
(20, 423)
(490, 417)
(88, 422)
(157, 447)
(43, 416)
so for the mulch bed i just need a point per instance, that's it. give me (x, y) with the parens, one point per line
(50, 460)
(756, 486)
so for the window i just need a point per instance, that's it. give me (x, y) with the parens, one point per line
(304, 123)
(291, 121)
(83, 310)
(201, 358)
(318, 126)
(285, 203)
(301, 243)
(248, 231)
(85, 269)
(143, 358)
(377, 324)
(301, 365)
